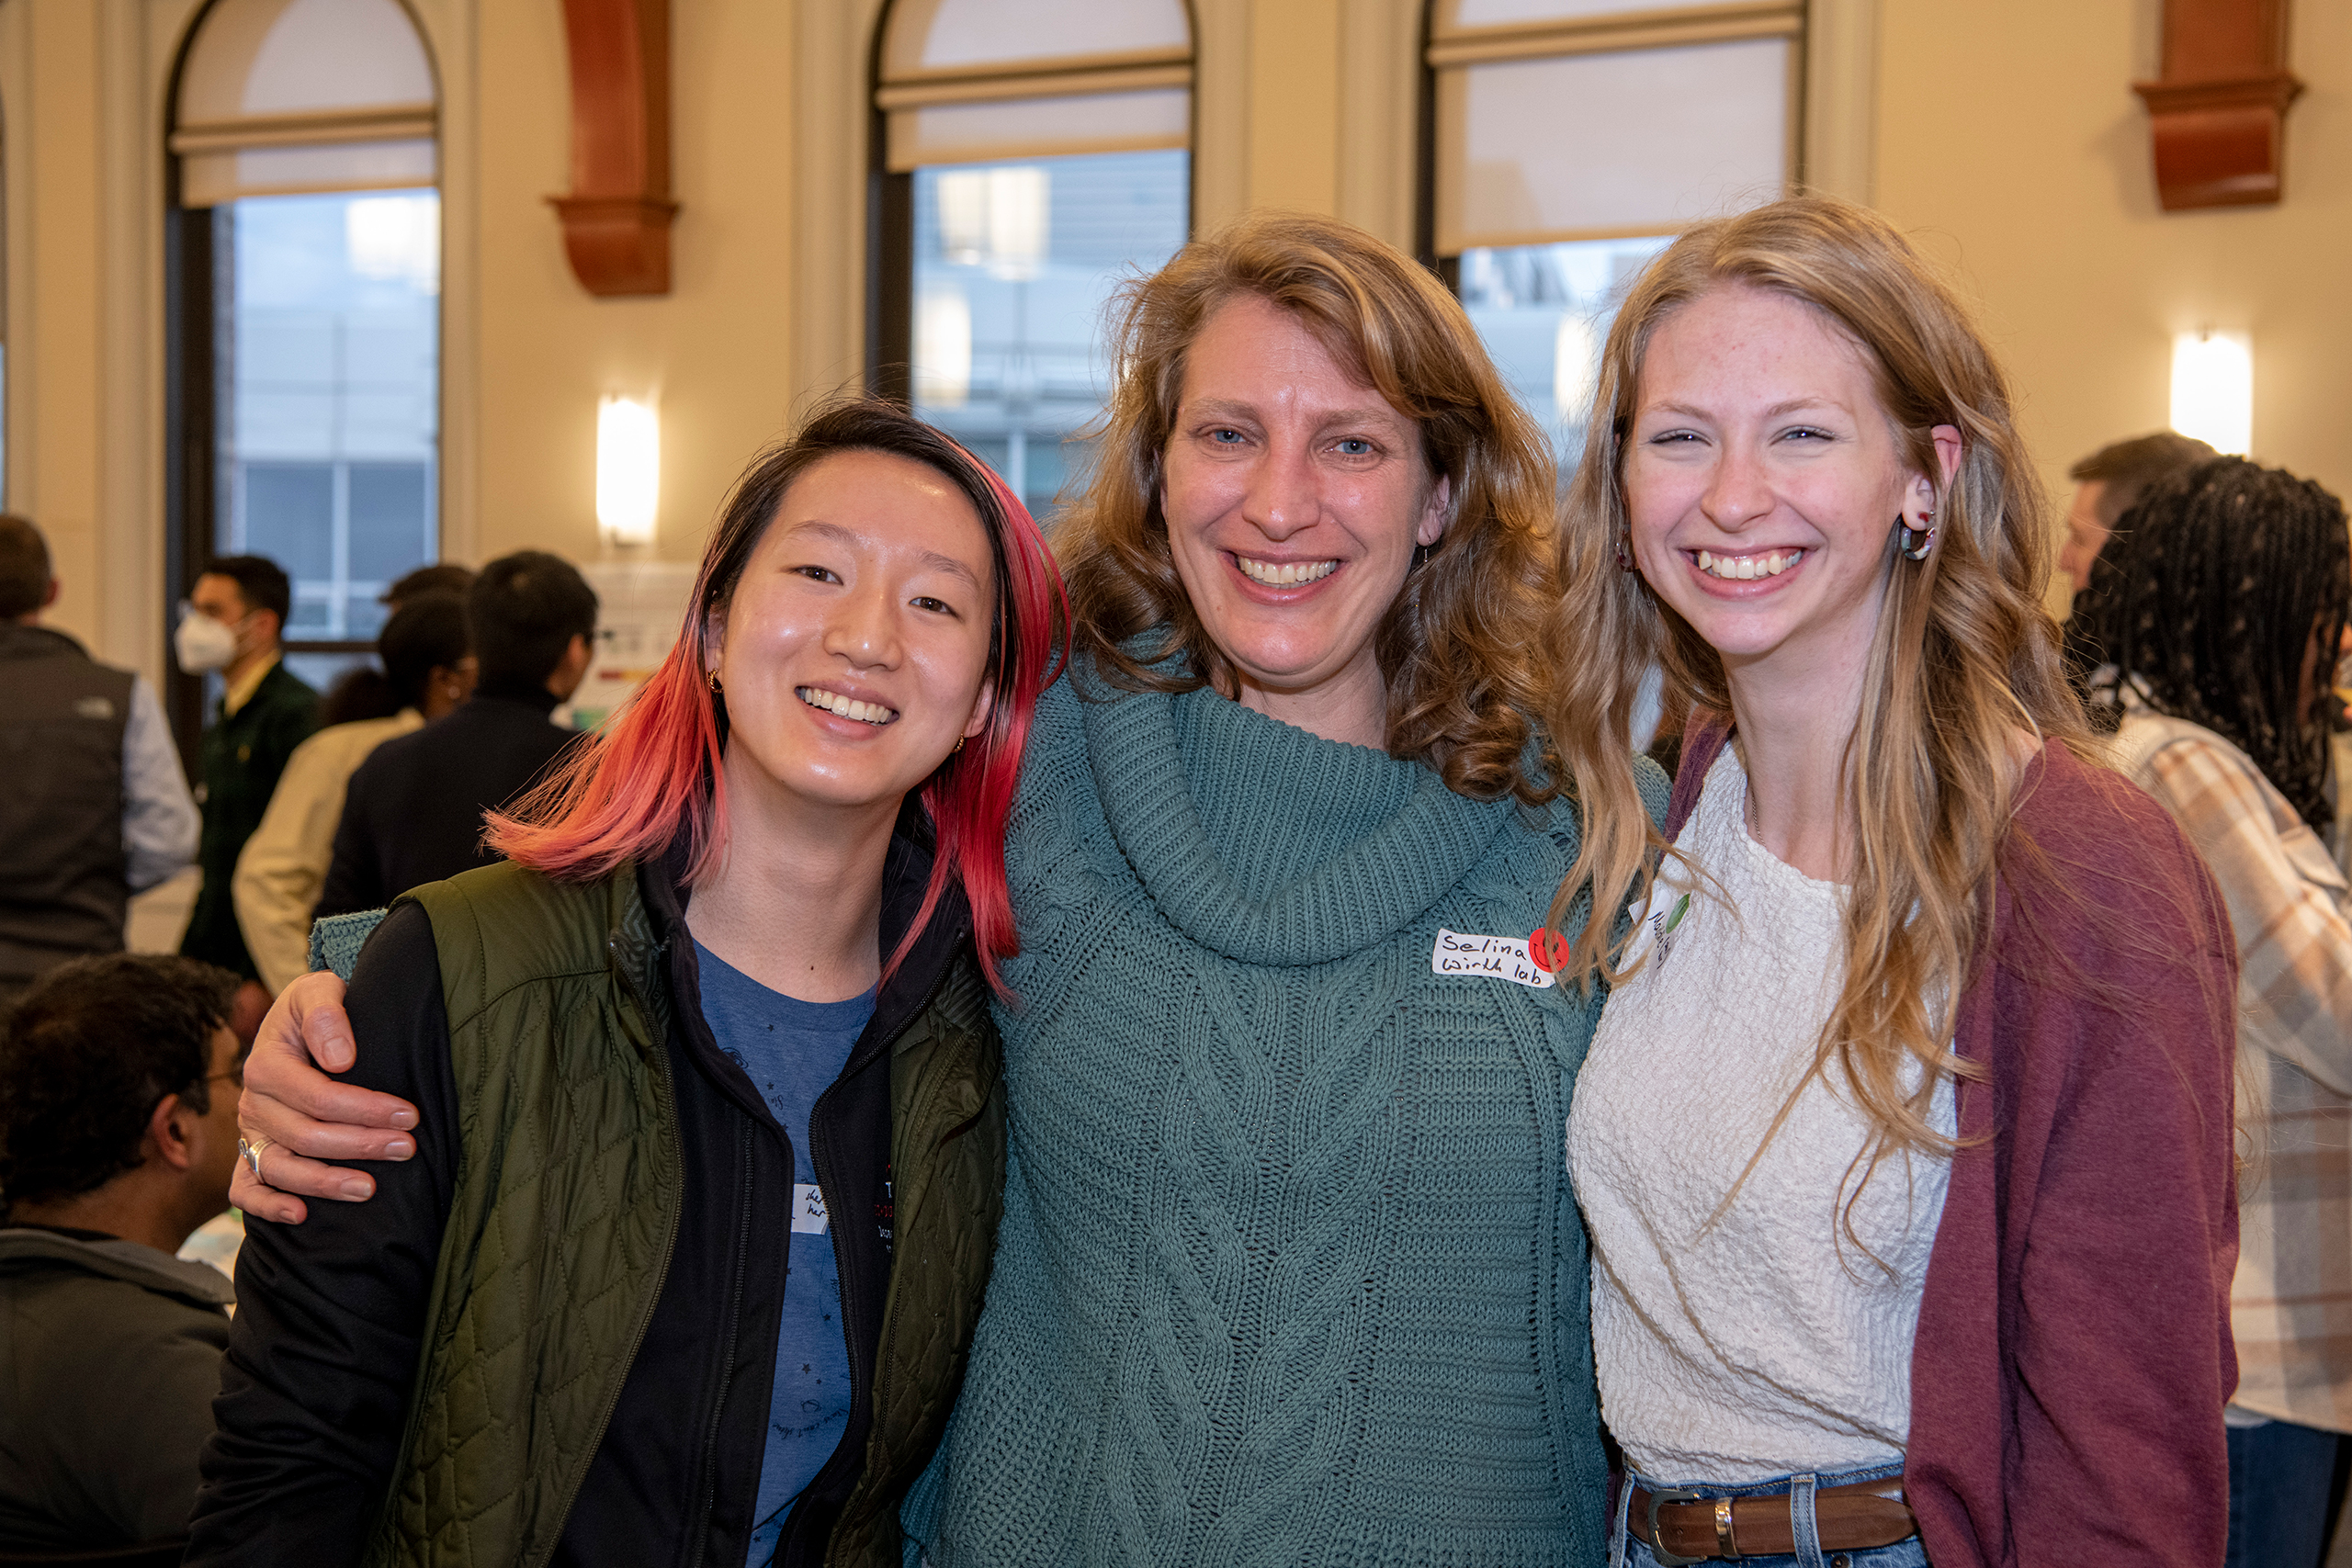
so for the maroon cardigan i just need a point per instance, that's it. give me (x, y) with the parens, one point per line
(2073, 1351)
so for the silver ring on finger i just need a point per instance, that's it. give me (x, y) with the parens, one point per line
(249, 1151)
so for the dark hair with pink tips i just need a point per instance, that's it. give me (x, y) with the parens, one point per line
(653, 775)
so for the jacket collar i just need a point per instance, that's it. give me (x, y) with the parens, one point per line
(25, 1249)
(533, 694)
(36, 642)
(661, 958)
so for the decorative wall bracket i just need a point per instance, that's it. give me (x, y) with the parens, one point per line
(616, 219)
(2218, 118)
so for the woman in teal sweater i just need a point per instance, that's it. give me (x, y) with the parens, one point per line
(1290, 1270)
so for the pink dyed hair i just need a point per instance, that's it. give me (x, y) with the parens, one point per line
(653, 775)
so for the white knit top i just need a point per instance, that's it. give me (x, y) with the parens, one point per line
(1768, 1343)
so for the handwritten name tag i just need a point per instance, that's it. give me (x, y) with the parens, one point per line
(1487, 957)
(808, 1208)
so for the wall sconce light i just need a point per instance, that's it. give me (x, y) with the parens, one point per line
(629, 469)
(2212, 388)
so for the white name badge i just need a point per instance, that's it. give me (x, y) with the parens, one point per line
(808, 1208)
(1487, 957)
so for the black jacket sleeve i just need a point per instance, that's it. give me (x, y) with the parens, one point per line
(355, 875)
(330, 1317)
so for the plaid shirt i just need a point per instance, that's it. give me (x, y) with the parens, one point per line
(2290, 1304)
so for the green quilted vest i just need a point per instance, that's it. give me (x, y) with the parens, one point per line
(564, 1212)
(566, 1206)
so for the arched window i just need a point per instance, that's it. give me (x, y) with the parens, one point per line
(1572, 139)
(1033, 153)
(305, 304)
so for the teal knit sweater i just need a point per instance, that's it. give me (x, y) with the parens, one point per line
(1290, 1271)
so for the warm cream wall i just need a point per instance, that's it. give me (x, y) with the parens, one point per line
(2011, 140)
(54, 388)
(715, 350)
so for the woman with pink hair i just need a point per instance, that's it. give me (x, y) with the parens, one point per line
(743, 945)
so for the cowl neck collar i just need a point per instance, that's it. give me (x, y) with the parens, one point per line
(1338, 847)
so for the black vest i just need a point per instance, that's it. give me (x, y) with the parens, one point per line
(62, 887)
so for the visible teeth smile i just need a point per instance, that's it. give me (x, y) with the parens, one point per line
(1286, 574)
(848, 708)
(1743, 569)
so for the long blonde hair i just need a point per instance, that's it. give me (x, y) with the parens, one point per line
(1464, 691)
(1963, 659)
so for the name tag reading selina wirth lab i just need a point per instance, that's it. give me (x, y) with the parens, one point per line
(1487, 957)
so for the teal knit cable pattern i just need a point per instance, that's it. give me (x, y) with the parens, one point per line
(1290, 1270)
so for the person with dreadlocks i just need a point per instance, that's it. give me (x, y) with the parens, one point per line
(2219, 604)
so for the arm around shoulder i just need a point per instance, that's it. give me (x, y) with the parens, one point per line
(315, 1388)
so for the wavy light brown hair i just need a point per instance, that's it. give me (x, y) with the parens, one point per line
(1464, 692)
(1963, 660)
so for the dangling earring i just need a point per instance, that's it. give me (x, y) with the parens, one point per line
(1625, 552)
(718, 710)
(958, 747)
(1915, 543)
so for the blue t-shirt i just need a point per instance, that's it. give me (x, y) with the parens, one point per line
(792, 1051)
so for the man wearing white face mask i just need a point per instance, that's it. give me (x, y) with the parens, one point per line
(232, 626)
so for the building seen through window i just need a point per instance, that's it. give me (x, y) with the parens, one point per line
(331, 360)
(1544, 312)
(1014, 268)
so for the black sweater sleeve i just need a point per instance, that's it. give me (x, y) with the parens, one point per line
(314, 1389)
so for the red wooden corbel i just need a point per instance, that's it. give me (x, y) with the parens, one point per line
(616, 219)
(2218, 116)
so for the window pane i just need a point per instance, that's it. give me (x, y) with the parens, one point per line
(1630, 141)
(290, 517)
(392, 522)
(330, 361)
(1544, 312)
(1013, 266)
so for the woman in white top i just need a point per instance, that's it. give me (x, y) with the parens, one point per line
(1904, 1141)
(2216, 605)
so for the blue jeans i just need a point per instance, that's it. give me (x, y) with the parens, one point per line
(2279, 1477)
(1625, 1550)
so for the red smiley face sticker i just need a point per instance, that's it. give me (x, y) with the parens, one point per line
(1547, 949)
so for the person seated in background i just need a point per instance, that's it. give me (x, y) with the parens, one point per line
(430, 666)
(413, 813)
(235, 617)
(2220, 603)
(96, 807)
(366, 691)
(118, 1079)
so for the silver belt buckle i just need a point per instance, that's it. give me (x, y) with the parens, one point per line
(1657, 1546)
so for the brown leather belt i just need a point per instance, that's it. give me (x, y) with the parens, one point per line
(1685, 1527)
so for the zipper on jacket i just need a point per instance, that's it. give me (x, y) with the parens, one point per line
(727, 1343)
(661, 1266)
(820, 1157)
